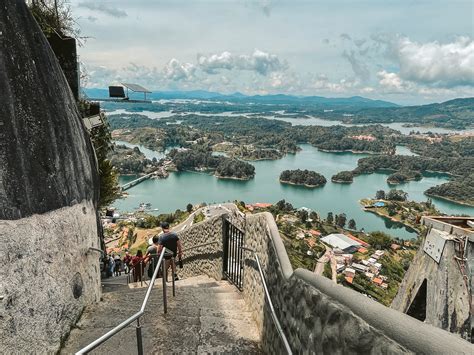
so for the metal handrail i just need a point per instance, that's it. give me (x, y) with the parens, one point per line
(270, 303)
(137, 315)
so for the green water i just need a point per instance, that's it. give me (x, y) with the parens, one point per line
(182, 188)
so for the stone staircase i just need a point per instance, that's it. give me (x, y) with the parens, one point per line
(206, 316)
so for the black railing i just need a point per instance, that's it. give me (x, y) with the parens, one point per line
(233, 254)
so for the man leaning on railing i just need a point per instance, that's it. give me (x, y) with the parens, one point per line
(170, 241)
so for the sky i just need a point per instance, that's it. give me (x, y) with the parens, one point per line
(404, 51)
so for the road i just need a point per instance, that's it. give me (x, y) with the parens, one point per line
(327, 256)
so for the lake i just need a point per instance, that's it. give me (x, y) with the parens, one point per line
(182, 188)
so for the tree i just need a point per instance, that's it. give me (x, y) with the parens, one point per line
(380, 240)
(109, 187)
(189, 208)
(352, 224)
(397, 195)
(330, 218)
(313, 216)
(303, 214)
(380, 195)
(341, 220)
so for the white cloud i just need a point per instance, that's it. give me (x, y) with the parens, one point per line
(259, 61)
(177, 71)
(390, 81)
(104, 8)
(444, 65)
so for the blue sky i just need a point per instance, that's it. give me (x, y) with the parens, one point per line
(404, 51)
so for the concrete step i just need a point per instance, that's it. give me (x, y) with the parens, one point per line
(206, 316)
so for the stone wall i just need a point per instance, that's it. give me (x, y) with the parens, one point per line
(318, 316)
(202, 244)
(48, 194)
(48, 275)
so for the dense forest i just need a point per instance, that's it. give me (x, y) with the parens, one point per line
(343, 177)
(460, 190)
(302, 177)
(194, 159)
(263, 133)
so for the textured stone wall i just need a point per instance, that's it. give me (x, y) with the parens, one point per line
(47, 277)
(318, 316)
(207, 258)
(48, 194)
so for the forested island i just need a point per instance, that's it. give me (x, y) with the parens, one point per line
(201, 160)
(403, 176)
(454, 157)
(129, 161)
(458, 190)
(343, 177)
(307, 178)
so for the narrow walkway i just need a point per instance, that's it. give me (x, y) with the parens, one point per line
(206, 316)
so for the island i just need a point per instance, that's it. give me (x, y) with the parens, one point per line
(306, 178)
(394, 206)
(203, 160)
(131, 161)
(459, 190)
(403, 176)
(343, 177)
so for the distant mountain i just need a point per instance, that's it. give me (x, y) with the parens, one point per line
(457, 113)
(278, 99)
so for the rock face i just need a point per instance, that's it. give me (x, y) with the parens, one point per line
(48, 193)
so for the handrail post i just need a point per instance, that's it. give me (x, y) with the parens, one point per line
(163, 265)
(141, 274)
(173, 270)
(139, 337)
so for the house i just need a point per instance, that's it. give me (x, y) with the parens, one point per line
(342, 242)
(359, 267)
(372, 261)
(362, 250)
(349, 272)
(377, 281)
(314, 233)
(379, 253)
(395, 246)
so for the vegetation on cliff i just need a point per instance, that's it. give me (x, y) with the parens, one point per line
(302, 177)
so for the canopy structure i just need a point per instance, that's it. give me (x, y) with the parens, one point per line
(136, 88)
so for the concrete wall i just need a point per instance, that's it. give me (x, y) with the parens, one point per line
(321, 317)
(448, 297)
(48, 194)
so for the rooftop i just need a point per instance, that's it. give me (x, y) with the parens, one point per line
(340, 241)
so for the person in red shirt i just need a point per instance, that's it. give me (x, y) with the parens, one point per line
(137, 266)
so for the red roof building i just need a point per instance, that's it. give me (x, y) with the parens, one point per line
(358, 240)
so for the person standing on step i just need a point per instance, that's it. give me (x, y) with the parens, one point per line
(152, 256)
(126, 261)
(170, 241)
(137, 266)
